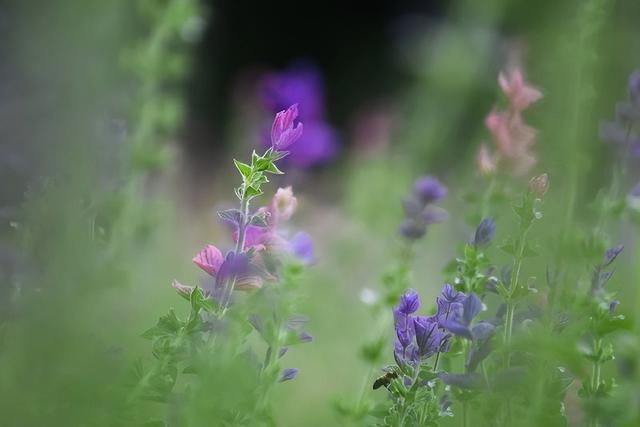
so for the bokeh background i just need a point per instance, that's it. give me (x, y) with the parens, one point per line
(119, 120)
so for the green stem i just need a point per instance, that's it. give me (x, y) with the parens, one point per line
(486, 199)
(465, 414)
(242, 231)
(513, 285)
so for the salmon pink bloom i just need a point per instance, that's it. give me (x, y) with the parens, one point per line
(520, 94)
(209, 259)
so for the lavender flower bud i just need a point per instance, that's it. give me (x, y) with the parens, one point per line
(429, 189)
(288, 374)
(412, 230)
(409, 302)
(485, 232)
(283, 132)
(611, 254)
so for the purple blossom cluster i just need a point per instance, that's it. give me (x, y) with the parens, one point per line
(419, 337)
(419, 208)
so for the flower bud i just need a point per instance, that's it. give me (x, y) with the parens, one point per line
(539, 185)
(283, 132)
(485, 164)
(284, 204)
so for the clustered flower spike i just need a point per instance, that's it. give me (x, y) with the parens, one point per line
(620, 132)
(419, 337)
(512, 137)
(419, 209)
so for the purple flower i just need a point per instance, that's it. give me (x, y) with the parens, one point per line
(458, 324)
(429, 337)
(302, 85)
(429, 189)
(404, 327)
(283, 131)
(449, 303)
(418, 337)
(635, 191)
(288, 374)
(485, 232)
(418, 208)
(409, 302)
(412, 229)
(301, 246)
(611, 254)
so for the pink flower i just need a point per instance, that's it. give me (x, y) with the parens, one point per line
(511, 135)
(209, 259)
(283, 204)
(283, 132)
(520, 94)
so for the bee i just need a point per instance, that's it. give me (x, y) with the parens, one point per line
(390, 374)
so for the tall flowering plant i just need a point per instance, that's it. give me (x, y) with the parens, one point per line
(265, 263)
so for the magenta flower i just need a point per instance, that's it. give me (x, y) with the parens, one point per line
(302, 84)
(283, 131)
(209, 259)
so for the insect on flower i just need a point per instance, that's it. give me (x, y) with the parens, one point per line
(390, 374)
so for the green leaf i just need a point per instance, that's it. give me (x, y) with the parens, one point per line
(243, 168)
(169, 324)
(232, 215)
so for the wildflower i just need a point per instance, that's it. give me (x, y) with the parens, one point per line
(485, 232)
(302, 85)
(419, 210)
(460, 321)
(512, 137)
(209, 259)
(449, 303)
(429, 189)
(409, 302)
(429, 337)
(301, 247)
(418, 337)
(288, 374)
(539, 185)
(520, 94)
(283, 204)
(611, 254)
(283, 131)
